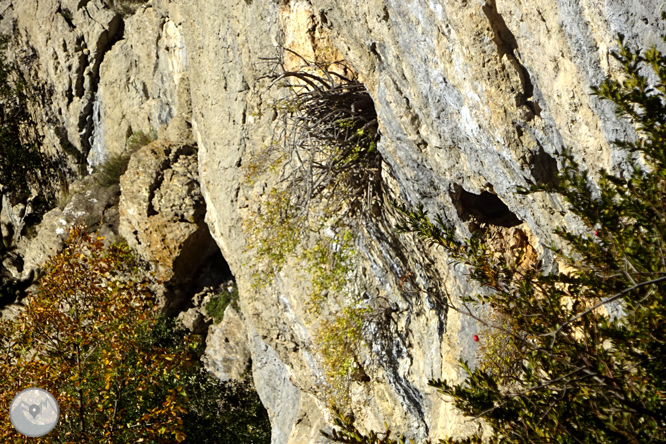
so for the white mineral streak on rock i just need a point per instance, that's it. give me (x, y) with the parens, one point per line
(97, 154)
(174, 44)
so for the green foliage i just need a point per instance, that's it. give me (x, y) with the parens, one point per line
(589, 345)
(330, 263)
(139, 139)
(216, 306)
(339, 339)
(116, 164)
(347, 433)
(217, 412)
(20, 163)
(64, 199)
(127, 7)
(325, 166)
(121, 373)
(111, 170)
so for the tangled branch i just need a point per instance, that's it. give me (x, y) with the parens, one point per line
(326, 135)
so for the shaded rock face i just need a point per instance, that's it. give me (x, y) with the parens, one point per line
(89, 205)
(473, 97)
(161, 212)
(227, 350)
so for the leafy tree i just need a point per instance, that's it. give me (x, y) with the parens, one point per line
(19, 162)
(217, 412)
(588, 345)
(80, 338)
(120, 373)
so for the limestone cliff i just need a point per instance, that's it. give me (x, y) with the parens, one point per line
(473, 98)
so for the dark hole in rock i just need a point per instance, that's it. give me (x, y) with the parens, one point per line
(212, 272)
(543, 167)
(484, 208)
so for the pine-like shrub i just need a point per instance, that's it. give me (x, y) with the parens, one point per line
(588, 345)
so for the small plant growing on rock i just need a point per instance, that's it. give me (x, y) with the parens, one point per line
(111, 170)
(216, 306)
(325, 166)
(116, 164)
(139, 139)
(127, 7)
(324, 155)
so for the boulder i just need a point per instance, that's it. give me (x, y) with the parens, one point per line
(162, 210)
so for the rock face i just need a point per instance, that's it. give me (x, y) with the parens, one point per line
(227, 348)
(161, 209)
(93, 206)
(87, 204)
(162, 216)
(473, 97)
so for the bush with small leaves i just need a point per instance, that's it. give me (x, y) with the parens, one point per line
(116, 164)
(127, 7)
(120, 372)
(216, 306)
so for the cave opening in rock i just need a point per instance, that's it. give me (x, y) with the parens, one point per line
(200, 268)
(212, 273)
(483, 208)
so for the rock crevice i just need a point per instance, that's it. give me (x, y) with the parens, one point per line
(473, 99)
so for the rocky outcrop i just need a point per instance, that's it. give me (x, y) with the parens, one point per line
(227, 350)
(88, 204)
(473, 98)
(92, 207)
(161, 210)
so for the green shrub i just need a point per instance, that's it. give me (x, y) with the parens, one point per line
(127, 7)
(325, 165)
(347, 433)
(121, 372)
(324, 155)
(216, 306)
(216, 412)
(20, 162)
(139, 139)
(111, 170)
(116, 164)
(339, 340)
(587, 348)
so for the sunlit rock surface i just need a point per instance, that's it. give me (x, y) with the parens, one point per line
(473, 97)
